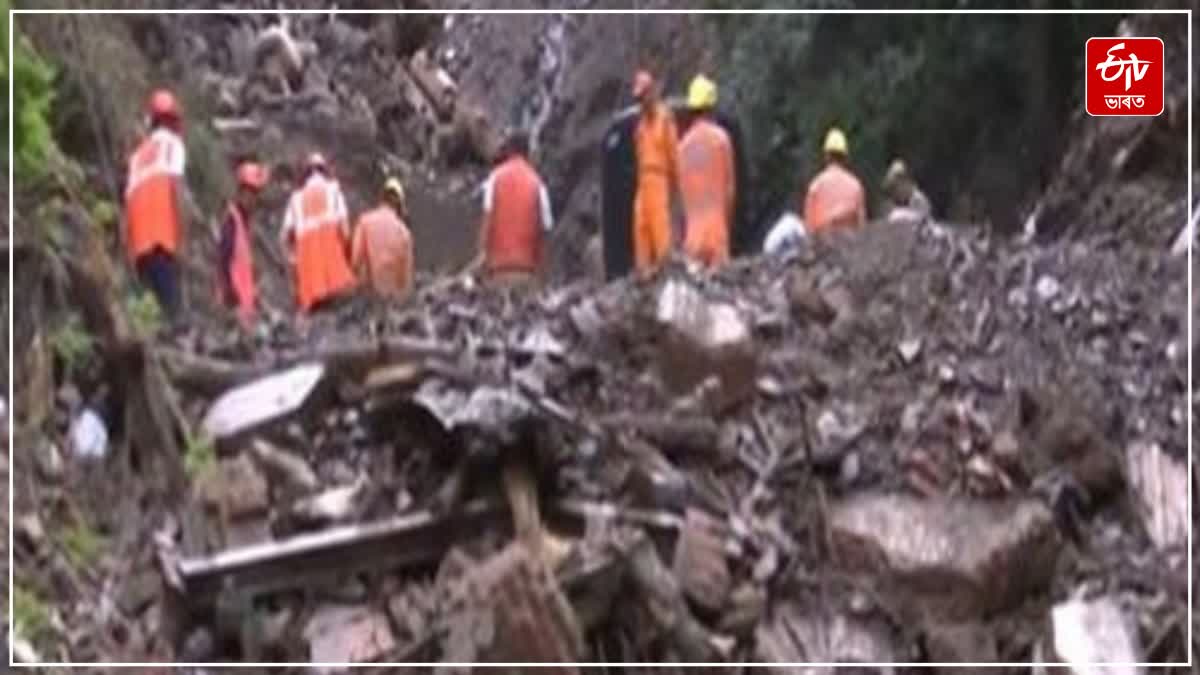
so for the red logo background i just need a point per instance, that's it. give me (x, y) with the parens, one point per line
(1150, 87)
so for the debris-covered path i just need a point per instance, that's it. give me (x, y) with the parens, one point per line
(898, 446)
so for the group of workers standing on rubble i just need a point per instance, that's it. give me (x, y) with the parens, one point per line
(329, 259)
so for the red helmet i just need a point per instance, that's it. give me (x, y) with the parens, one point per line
(316, 161)
(252, 175)
(162, 105)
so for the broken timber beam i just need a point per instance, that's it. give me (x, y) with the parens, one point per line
(403, 541)
(406, 541)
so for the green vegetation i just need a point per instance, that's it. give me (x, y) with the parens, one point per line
(30, 616)
(200, 456)
(144, 313)
(83, 545)
(975, 103)
(33, 98)
(73, 345)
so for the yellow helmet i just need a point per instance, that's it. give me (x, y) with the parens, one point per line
(393, 187)
(835, 142)
(702, 93)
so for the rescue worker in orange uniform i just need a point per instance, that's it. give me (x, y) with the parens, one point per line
(516, 216)
(235, 261)
(656, 140)
(382, 248)
(835, 197)
(155, 197)
(706, 178)
(316, 229)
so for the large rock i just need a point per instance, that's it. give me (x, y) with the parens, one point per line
(348, 635)
(955, 558)
(792, 635)
(512, 610)
(235, 489)
(1159, 484)
(704, 339)
(1087, 634)
(700, 563)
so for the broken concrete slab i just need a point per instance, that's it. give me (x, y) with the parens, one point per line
(1088, 634)
(704, 339)
(700, 564)
(348, 635)
(1160, 487)
(958, 558)
(263, 402)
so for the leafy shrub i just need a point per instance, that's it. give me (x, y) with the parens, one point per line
(73, 345)
(33, 97)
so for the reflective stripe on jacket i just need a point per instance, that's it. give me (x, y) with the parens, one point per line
(150, 209)
(514, 229)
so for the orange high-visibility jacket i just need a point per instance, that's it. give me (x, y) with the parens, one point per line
(383, 246)
(706, 182)
(835, 198)
(316, 221)
(514, 218)
(241, 266)
(657, 171)
(150, 210)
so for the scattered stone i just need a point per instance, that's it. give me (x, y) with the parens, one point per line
(332, 506)
(1047, 288)
(700, 563)
(704, 339)
(1089, 633)
(790, 635)
(515, 612)
(965, 642)
(960, 558)
(1160, 487)
(236, 489)
(909, 350)
(285, 468)
(747, 604)
(29, 527)
(339, 634)
(50, 462)
(138, 591)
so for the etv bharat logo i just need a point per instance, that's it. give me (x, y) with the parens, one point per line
(1124, 76)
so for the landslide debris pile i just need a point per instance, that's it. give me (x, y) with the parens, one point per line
(896, 446)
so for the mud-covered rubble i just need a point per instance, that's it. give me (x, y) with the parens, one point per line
(894, 446)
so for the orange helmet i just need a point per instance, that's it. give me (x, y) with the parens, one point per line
(252, 175)
(162, 105)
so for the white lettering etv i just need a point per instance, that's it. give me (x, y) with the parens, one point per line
(1134, 74)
